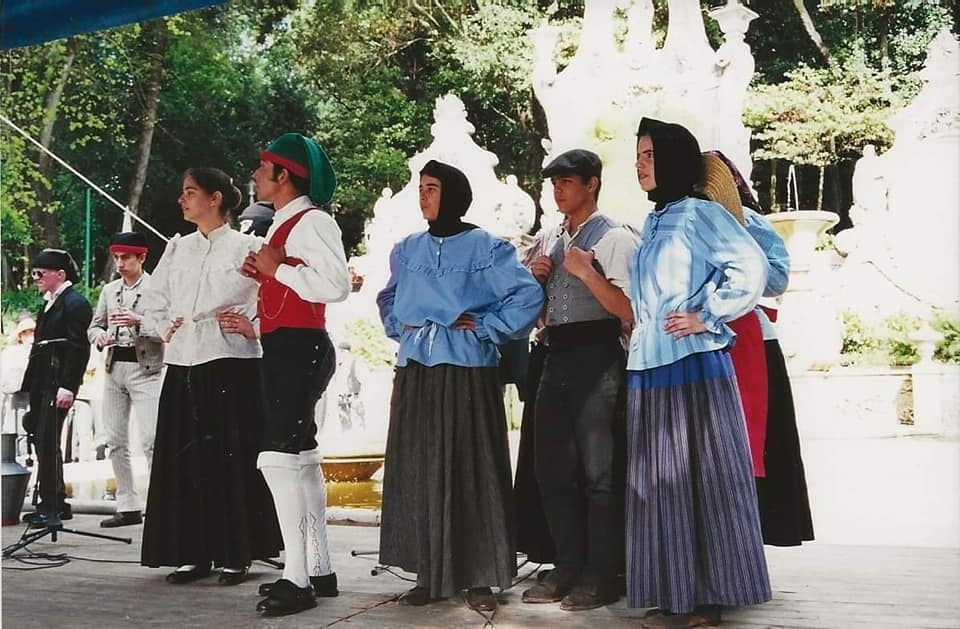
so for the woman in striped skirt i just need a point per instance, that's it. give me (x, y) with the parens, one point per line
(693, 533)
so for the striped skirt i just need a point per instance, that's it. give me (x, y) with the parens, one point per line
(693, 533)
(447, 511)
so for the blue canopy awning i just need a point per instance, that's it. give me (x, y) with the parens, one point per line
(26, 22)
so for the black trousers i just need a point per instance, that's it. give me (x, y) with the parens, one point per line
(297, 366)
(579, 452)
(45, 422)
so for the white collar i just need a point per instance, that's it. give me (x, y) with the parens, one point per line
(49, 297)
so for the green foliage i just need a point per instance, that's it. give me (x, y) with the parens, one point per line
(16, 300)
(369, 343)
(888, 342)
(900, 348)
(819, 116)
(858, 337)
(948, 348)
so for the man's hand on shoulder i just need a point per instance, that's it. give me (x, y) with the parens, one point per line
(263, 263)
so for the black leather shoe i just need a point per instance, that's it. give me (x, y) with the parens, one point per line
(179, 577)
(232, 577)
(323, 586)
(546, 591)
(122, 518)
(481, 599)
(286, 598)
(42, 513)
(582, 598)
(417, 596)
(40, 520)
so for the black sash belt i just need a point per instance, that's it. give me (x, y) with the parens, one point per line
(124, 354)
(572, 335)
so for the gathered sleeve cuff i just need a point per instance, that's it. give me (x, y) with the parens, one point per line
(520, 298)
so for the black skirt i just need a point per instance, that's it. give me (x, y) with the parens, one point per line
(782, 495)
(207, 499)
(447, 509)
(533, 533)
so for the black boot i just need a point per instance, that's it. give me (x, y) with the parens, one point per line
(286, 598)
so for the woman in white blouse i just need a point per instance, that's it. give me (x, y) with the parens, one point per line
(208, 504)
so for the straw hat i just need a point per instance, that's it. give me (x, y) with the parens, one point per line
(719, 186)
(26, 324)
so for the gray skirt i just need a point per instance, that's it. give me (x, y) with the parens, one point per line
(447, 508)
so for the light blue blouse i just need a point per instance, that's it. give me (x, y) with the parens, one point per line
(694, 257)
(435, 280)
(778, 258)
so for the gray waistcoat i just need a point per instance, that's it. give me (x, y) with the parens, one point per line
(568, 299)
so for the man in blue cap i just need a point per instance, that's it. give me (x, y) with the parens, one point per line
(301, 268)
(54, 373)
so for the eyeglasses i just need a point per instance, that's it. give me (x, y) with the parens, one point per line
(38, 273)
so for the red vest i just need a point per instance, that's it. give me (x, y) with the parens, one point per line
(279, 306)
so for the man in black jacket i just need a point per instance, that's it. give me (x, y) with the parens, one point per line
(54, 372)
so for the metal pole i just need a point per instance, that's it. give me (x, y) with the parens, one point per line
(86, 244)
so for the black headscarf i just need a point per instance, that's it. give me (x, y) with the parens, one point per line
(455, 199)
(678, 165)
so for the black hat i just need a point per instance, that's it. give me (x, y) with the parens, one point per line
(578, 161)
(58, 260)
(128, 242)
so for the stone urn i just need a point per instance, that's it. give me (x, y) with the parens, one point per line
(809, 328)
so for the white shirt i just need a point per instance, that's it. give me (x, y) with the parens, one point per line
(128, 297)
(316, 239)
(614, 251)
(49, 297)
(197, 278)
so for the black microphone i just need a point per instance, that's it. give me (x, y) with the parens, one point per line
(51, 342)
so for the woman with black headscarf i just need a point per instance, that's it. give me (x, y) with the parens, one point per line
(693, 533)
(455, 292)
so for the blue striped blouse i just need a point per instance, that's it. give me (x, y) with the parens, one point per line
(694, 257)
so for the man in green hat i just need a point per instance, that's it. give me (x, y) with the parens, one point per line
(301, 268)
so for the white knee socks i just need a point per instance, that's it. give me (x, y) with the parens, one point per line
(280, 470)
(314, 492)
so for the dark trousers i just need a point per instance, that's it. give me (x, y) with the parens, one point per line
(578, 451)
(297, 366)
(45, 422)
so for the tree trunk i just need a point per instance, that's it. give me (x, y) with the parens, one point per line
(811, 29)
(158, 32)
(820, 174)
(43, 219)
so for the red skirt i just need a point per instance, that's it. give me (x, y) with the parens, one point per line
(750, 364)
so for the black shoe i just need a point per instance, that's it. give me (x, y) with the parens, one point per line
(43, 513)
(481, 599)
(323, 587)
(179, 577)
(286, 598)
(582, 598)
(547, 591)
(417, 596)
(122, 518)
(232, 577)
(39, 520)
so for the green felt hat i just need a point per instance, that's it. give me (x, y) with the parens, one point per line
(305, 158)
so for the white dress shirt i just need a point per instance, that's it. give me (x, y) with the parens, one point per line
(316, 239)
(197, 278)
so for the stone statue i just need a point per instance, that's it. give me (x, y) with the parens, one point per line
(869, 184)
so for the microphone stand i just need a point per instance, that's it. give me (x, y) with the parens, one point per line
(54, 525)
